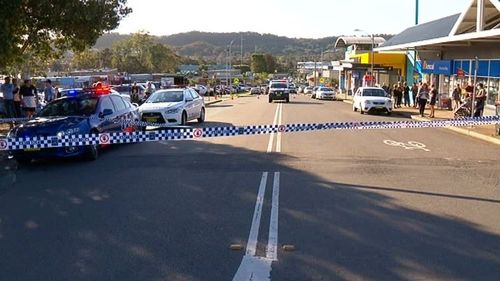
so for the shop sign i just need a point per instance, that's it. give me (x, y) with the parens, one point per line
(437, 67)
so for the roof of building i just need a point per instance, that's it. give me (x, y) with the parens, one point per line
(344, 41)
(430, 30)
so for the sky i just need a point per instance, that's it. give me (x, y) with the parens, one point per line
(291, 18)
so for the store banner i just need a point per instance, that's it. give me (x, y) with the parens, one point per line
(437, 67)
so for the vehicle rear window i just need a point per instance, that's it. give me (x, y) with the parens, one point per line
(374, 93)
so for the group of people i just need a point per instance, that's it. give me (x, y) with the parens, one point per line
(22, 101)
(423, 93)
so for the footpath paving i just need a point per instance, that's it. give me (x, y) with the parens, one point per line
(484, 132)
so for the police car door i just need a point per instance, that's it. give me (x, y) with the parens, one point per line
(122, 113)
(108, 112)
(197, 104)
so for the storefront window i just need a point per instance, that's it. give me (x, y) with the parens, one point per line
(493, 87)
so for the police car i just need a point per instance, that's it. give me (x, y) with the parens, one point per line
(85, 111)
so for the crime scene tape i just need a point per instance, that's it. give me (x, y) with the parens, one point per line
(36, 142)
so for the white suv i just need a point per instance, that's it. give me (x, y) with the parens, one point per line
(371, 99)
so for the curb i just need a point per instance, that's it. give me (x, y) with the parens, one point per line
(213, 102)
(465, 132)
(347, 101)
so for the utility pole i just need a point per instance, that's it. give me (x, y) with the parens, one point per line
(416, 12)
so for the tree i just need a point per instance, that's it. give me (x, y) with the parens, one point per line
(140, 54)
(258, 63)
(88, 59)
(271, 63)
(46, 28)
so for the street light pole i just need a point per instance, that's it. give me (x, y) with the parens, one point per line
(230, 65)
(373, 59)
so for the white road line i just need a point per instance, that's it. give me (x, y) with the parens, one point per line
(254, 229)
(252, 267)
(272, 242)
(271, 138)
(278, 137)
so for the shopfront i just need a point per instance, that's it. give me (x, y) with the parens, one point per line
(488, 73)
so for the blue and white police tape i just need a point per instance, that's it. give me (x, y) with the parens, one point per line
(40, 142)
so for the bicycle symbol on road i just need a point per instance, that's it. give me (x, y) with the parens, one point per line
(411, 145)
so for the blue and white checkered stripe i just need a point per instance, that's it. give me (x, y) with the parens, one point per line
(186, 133)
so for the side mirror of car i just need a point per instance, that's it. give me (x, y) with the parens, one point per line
(106, 112)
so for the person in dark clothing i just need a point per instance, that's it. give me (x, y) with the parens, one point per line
(432, 103)
(406, 94)
(135, 93)
(423, 96)
(397, 95)
(29, 97)
(17, 99)
(480, 100)
(414, 92)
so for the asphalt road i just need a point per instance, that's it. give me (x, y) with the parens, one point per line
(352, 205)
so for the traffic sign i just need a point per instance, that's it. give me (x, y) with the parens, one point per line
(322, 80)
(198, 133)
(236, 81)
(104, 139)
(3, 145)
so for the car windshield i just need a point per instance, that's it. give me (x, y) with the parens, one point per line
(166, 96)
(70, 107)
(278, 86)
(326, 90)
(374, 93)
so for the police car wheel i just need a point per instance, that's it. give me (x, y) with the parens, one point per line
(202, 116)
(184, 118)
(93, 152)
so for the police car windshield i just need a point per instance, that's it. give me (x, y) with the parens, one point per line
(84, 106)
(279, 86)
(164, 96)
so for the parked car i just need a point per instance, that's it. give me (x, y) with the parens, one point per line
(255, 91)
(200, 89)
(325, 93)
(76, 113)
(173, 107)
(372, 99)
(293, 89)
(313, 94)
(308, 90)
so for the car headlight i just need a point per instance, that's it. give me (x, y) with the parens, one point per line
(60, 134)
(173, 110)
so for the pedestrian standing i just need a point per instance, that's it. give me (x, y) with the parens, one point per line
(29, 98)
(406, 94)
(49, 91)
(432, 103)
(8, 98)
(17, 99)
(457, 97)
(480, 100)
(135, 93)
(414, 92)
(423, 96)
(497, 105)
(397, 95)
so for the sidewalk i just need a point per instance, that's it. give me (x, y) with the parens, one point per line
(211, 99)
(483, 132)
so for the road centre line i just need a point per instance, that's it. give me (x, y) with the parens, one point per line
(271, 138)
(254, 229)
(253, 267)
(272, 242)
(278, 136)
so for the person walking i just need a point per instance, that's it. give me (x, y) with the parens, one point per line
(423, 96)
(480, 101)
(406, 94)
(29, 98)
(432, 103)
(8, 97)
(457, 97)
(49, 91)
(497, 105)
(17, 99)
(135, 93)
